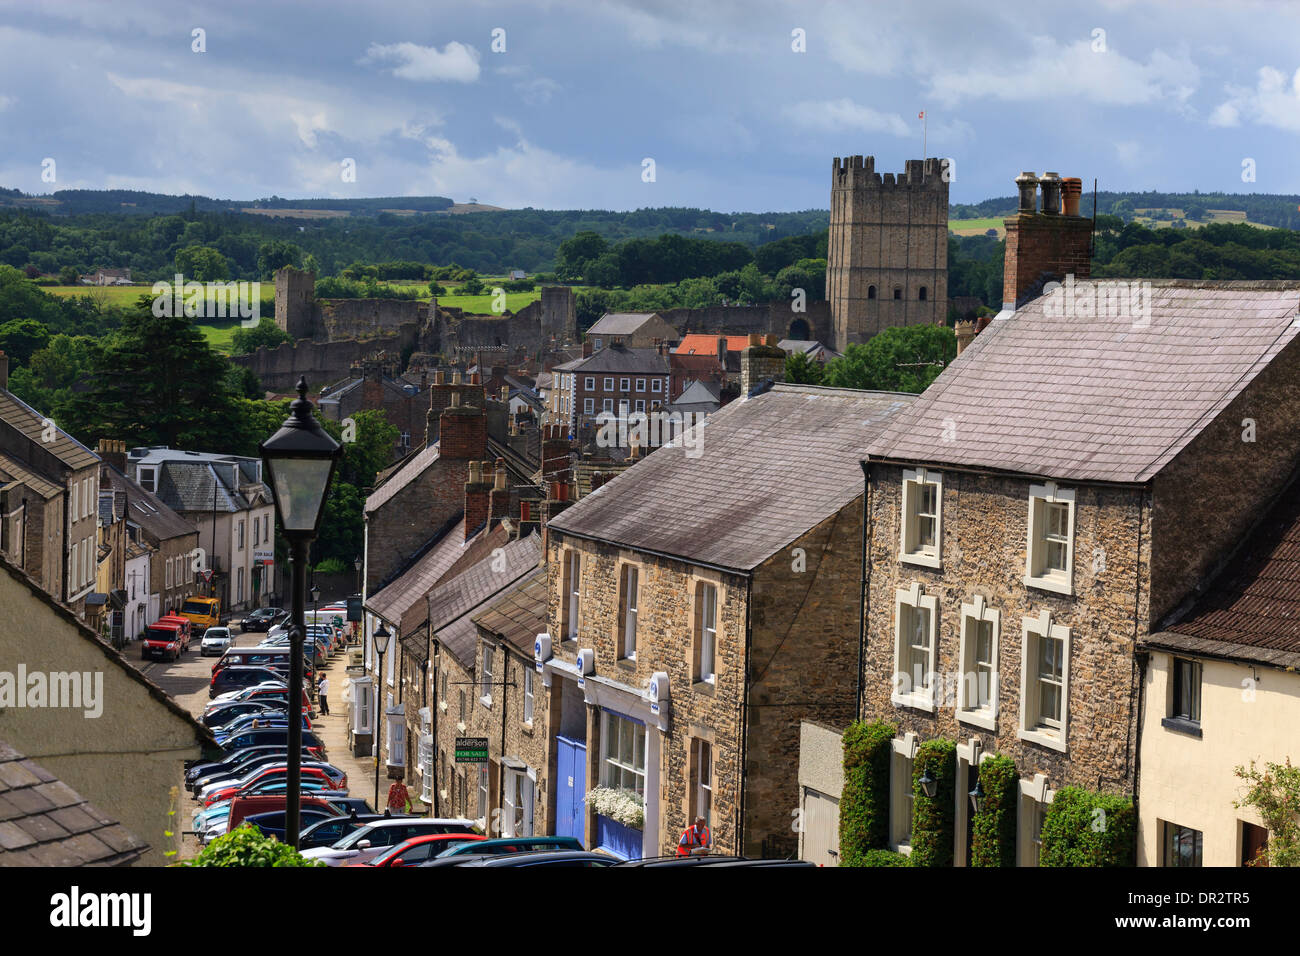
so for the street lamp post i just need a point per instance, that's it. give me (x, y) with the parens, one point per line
(315, 616)
(357, 564)
(300, 460)
(381, 637)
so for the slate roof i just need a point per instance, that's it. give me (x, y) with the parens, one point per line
(620, 323)
(20, 472)
(44, 822)
(1105, 398)
(620, 361)
(519, 614)
(1251, 611)
(20, 416)
(396, 481)
(451, 602)
(697, 394)
(769, 468)
(148, 511)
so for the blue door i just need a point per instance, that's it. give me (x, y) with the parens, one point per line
(571, 787)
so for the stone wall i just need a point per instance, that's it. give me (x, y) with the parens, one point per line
(775, 318)
(322, 363)
(984, 530)
(369, 318)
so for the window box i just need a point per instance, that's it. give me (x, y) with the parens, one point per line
(1049, 554)
(618, 839)
(921, 527)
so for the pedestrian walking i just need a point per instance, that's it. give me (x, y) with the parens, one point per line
(399, 798)
(323, 691)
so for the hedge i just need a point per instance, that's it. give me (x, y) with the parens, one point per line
(883, 858)
(994, 840)
(1082, 828)
(933, 817)
(864, 801)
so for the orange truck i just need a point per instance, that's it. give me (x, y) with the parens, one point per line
(202, 612)
(166, 638)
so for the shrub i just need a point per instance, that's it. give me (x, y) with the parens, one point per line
(933, 817)
(884, 858)
(248, 846)
(331, 566)
(994, 840)
(864, 802)
(1082, 828)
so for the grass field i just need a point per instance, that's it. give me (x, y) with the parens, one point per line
(120, 295)
(976, 227)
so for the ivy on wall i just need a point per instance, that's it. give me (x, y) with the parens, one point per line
(864, 801)
(1083, 828)
(933, 818)
(994, 839)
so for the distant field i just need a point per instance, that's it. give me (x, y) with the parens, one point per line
(976, 227)
(483, 303)
(127, 294)
(298, 213)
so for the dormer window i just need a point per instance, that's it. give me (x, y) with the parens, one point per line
(921, 527)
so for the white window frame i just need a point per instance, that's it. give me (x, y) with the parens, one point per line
(148, 475)
(625, 385)
(590, 383)
(640, 385)
(974, 613)
(523, 810)
(1061, 582)
(485, 676)
(589, 406)
(574, 596)
(702, 790)
(1033, 631)
(609, 384)
(903, 693)
(76, 500)
(530, 697)
(241, 535)
(640, 405)
(656, 384)
(425, 757)
(608, 763)
(484, 799)
(901, 793)
(630, 585)
(608, 405)
(707, 671)
(909, 527)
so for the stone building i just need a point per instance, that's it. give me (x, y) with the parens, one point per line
(49, 500)
(887, 259)
(632, 330)
(374, 385)
(1071, 479)
(701, 605)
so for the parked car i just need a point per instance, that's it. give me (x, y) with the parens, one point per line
(276, 757)
(544, 858)
(215, 641)
(272, 735)
(229, 710)
(336, 778)
(418, 849)
(328, 832)
(266, 780)
(374, 838)
(166, 638)
(272, 822)
(237, 678)
(202, 768)
(263, 619)
(271, 693)
(458, 853)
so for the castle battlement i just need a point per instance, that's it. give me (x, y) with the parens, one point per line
(857, 172)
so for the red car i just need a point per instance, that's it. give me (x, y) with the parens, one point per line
(270, 773)
(418, 849)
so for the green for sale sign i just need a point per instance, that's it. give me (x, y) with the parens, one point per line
(471, 750)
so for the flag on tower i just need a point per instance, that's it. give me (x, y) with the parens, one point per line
(921, 115)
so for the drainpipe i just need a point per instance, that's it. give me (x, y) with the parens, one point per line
(744, 719)
(437, 678)
(865, 588)
(501, 783)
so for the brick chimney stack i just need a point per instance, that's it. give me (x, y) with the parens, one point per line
(586, 348)
(462, 430)
(555, 454)
(761, 360)
(499, 506)
(477, 490)
(113, 452)
(1044, 246)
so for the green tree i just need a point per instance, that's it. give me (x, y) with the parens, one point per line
(903, 359)
(802, 370)
(266, 332)
(157, 382)
(277, 254)
(68, 275)
(1274, 793)
(574, 256)
(21, 338)
(247, 846)
(202, 264)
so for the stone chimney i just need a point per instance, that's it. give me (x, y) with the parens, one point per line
(762, 360)
(1044, 246)
(113, 452)
(462, 431)
(477, 491)
(555, 454)
(499, 504)
(586, 349)
(372, 384)
(965, 330)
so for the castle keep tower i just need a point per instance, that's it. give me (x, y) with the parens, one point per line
(887, 260)
(295, 302)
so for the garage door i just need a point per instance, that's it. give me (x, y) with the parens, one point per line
(821, 835)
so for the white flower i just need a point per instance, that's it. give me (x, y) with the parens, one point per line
(625, 806)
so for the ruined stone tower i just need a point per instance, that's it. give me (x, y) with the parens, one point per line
(295, 302)
(887, 260)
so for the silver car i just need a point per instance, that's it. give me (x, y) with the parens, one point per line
(216, 640)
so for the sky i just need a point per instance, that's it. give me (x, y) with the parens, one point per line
(738, 105)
